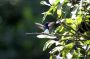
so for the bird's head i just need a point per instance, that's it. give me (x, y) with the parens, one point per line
(46, 25)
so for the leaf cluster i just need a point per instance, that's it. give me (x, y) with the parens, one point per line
(72, 42)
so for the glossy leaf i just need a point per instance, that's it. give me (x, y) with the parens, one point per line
(58, 48)
(48, 44)
(78, 20)
(69, 46)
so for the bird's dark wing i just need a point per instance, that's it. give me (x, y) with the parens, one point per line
(40, 26)
(51, 24)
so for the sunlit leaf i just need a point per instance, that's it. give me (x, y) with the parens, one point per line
(48, 44)
(52, 2)
(75, 54)
(61, 1)
(61, 29)
(69, 56)
(87, 42)
(74, 13)
(89, 52)
(59, 57)
(73, 26)
(78, 20)
(69, 21)
(66, 1)
(51, 57)
(87, 33)
(65, 52)
(69, 46)
(44, 3)
(59, 10)
(84, 47)
(58, 48)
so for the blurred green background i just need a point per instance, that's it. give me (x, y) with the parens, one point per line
(18, 17)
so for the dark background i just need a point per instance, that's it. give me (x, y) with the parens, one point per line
(18, 17)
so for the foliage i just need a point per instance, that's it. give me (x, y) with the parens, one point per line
(74, 29)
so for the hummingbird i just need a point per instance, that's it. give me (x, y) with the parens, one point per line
(47, 27)
(47, 30)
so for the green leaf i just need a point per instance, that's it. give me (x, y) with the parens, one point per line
(65, 52)
(87, 33)
(59, 13)
(69, 55)
(51, 57)
(58, 48)
(61, 29)
(89, 52)
(73, 26)
(69, 46)
(48, 44)
(69, 21)
(87, 37)
(78, 20)
(66, 1)
(87, 42)
(75, 54)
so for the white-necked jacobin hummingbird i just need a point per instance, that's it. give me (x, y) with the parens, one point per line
(46, 33)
